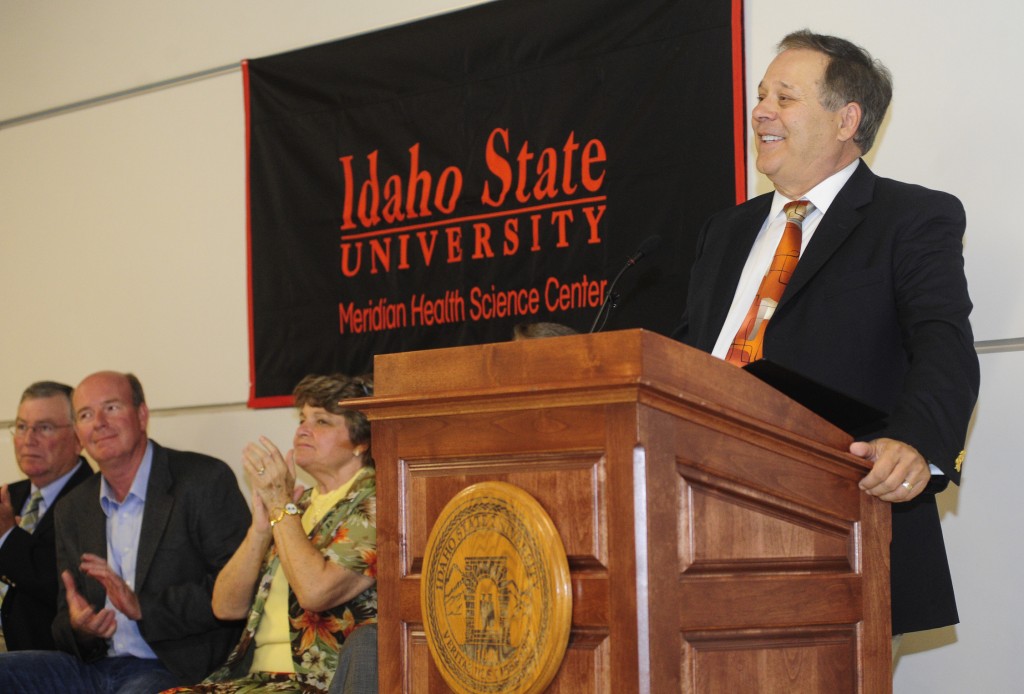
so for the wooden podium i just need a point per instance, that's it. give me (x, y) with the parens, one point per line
(716, 537)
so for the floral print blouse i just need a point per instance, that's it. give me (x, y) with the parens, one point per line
(347, 535)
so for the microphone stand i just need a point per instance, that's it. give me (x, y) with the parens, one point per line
(611, 300)
(610, 297)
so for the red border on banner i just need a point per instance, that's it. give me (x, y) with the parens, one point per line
(254, 402)
(739, 102)
(248, 233)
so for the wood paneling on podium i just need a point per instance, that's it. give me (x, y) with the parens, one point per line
(716, 537)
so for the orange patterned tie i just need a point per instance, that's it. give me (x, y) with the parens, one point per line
(747, 345)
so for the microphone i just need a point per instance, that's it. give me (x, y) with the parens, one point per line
(649, 244)
(610, 298)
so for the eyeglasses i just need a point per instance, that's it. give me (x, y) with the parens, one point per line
(47, 430)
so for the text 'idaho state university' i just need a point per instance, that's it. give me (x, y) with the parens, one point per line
(530, 201)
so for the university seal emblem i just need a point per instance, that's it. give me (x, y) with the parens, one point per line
(496, 594)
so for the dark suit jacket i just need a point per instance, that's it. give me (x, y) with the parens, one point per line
(28, 564)
(877, 308)
(194, 519)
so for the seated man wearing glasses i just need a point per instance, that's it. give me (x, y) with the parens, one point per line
(47, 452)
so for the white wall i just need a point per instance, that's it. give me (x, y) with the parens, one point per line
(123, 219)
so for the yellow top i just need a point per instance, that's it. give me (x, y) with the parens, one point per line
(273, 648)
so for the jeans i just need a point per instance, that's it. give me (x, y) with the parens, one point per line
(31, 672)
(357, 663)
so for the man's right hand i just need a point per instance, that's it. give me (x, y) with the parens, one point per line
(84, 619)
(7, 519)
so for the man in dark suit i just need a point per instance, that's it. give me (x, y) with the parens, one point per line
(876, 307)
(47, 452)
(139, 547)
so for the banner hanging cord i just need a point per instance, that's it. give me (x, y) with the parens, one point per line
(117, 96)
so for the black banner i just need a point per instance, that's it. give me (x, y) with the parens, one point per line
(437, 183)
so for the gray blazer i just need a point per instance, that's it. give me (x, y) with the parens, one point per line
(195, 517)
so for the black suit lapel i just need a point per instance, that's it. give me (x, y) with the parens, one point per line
(19, 492)
(842, 218)
(83, 473)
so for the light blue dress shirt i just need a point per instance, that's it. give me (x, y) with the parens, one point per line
(124, 526)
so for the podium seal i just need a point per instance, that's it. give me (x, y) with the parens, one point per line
(496, 594)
